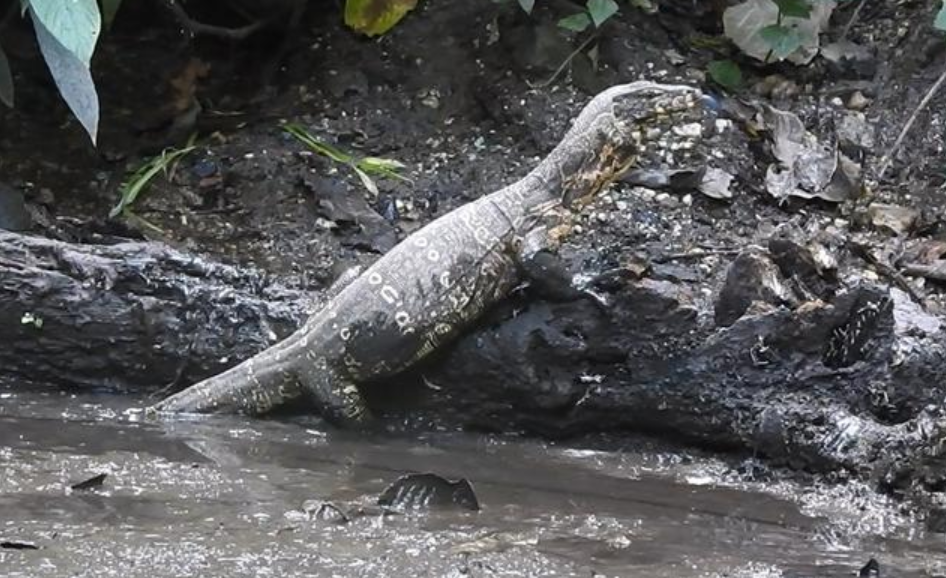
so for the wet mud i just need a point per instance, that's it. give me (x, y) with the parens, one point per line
(234, 497)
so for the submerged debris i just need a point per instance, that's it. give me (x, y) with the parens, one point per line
(93, 482)
(421, 491)
(18, 545)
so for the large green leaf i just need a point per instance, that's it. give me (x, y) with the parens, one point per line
(72, 77)
(940, 22)
(74, 23)
(743, 24)
(726, 73)
(601, 10)
(374, 17)
(576, 22)
(794, 8)
(6, 80)
(781, 39)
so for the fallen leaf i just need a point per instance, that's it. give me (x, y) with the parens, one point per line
(744, 22)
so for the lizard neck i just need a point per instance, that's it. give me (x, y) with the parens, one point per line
(581, 166)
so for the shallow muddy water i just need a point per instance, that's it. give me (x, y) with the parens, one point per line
(224, 497)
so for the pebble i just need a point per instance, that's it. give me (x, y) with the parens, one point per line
(687, 199)
(723, 125)
(621, 205)
(858, 101)
(691, 130)
(665, 199)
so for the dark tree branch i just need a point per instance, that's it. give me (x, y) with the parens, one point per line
(195, 27)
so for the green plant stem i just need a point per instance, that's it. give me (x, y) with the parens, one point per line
(564, 63)
(778, 22)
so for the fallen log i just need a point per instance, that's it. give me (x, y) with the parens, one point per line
(854, 383)
(132, 315)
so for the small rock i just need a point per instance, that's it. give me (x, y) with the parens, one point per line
(716, 183)
(858, 101)
(430, 98)
(855, 131)
(691, 130)
(776, 86)
(723, 125)
(687, 200)
(894, 218)
(752, 278)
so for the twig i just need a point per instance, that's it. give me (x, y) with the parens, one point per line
(888, 156)
(886, 270)
(564, 64)
(195, 27)
(695, 254)
(850, 23)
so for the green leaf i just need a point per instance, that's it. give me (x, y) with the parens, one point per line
(367, 181)
(374, 17)
(384, 167)
(72, 77)
(782, 40)
(323, 148)
(75, 24)
(794, 8)
(940, 22)
(601, 10)
(109, 9)
(527, 5)
(132, 188)
(725, 73)
(380, 165)
(575, 22)
(6, 80)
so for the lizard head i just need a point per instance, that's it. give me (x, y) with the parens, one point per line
(621, 127)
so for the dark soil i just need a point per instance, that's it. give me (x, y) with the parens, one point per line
(448, 93)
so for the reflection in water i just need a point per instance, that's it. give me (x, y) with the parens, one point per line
(224, 497)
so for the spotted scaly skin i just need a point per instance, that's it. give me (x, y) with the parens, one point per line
(440, 279)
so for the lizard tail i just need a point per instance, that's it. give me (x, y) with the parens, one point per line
(253, 387)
